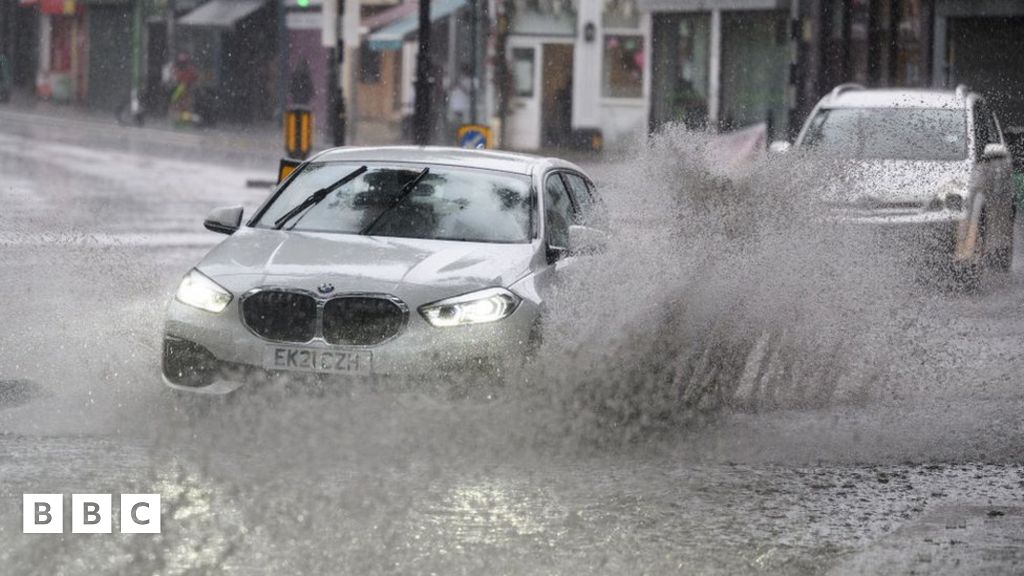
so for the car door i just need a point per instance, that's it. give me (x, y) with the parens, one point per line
(563, 206)
(558, 212)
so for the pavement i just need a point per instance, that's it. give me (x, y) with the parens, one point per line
(245, 144)
(72, 124)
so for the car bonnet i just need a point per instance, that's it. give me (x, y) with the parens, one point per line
(415, 270)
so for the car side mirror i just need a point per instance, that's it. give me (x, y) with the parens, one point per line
(585, 240)
(555, 253)
(779, 147)
(995, 152)
(224, 220)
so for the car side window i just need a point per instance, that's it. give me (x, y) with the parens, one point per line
(985, 131)
(993, 129)
(581, 196)
(558, 211)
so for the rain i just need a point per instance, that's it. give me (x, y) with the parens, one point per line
(791, 345)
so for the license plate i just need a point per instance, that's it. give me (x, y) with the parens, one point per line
(318, 361)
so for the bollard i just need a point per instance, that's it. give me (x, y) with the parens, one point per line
(298, 132)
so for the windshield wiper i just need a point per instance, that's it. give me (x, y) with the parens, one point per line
(399, 198)
(317, 197)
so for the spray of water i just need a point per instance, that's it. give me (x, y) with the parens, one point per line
(720, 290)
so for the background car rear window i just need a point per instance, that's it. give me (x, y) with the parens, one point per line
(447, 204)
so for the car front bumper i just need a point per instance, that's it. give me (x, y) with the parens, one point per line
(216, 354)
(930, 238)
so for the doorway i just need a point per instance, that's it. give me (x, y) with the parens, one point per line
(556, 95)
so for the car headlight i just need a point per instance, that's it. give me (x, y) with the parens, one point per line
(198, 291)
(488, 305)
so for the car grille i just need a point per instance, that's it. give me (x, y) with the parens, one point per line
(285, 316)
(361, 320)
(281, 316)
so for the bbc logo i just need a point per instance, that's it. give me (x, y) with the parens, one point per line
(90, 513)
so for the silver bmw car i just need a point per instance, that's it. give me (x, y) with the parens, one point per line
(392, 261)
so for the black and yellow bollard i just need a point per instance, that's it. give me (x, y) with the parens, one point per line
(298, 132)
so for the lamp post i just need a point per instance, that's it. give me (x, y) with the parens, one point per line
(421, 119)
(335, 98)
(134, 102)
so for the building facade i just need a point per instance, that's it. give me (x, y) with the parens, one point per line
(721, 64)
(577, 68)
(540, 73)
(71, 50)
(914, 43)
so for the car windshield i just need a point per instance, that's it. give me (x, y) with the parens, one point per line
(889, 133)
(446, 204)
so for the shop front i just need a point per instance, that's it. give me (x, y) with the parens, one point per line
(581, 77)
(386, 80)
(110, 53)
(63, 50)
(233, 44)
(722, 65)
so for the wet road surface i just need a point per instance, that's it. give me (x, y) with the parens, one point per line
(921, 472)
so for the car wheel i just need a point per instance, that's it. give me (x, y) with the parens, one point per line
(993, 259)
(1005, 255)
(967, 276)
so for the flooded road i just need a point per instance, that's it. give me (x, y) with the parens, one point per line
(838, 431)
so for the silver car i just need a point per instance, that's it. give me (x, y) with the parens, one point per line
(929, 162)
(394, 261)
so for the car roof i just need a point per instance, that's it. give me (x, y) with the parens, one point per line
(856, 97)
(501, 161)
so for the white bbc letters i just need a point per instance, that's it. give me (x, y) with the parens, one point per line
(90, 513)
(140, 513)
(42, 513)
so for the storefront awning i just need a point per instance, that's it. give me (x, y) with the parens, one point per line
(220, 13)
(390, 37)
(708, 5)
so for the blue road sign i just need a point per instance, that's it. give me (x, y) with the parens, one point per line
(474, 136)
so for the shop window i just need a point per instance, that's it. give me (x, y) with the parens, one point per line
(679, 69)
(754, 71)
(623, 66)
(522, 71)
